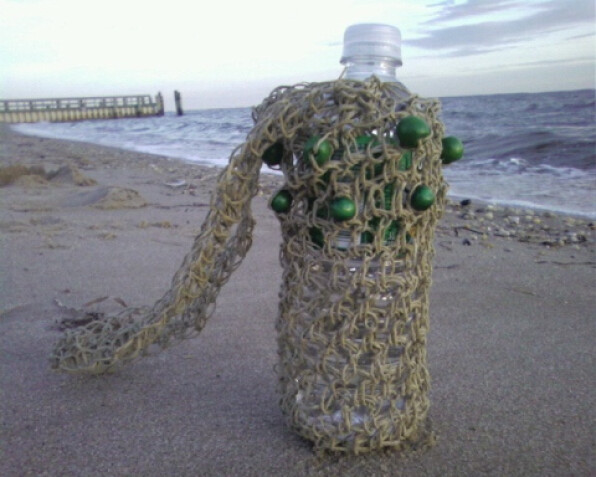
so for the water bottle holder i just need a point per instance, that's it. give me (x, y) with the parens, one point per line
(343, 415)
(362, 226)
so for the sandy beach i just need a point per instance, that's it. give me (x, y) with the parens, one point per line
(511, 345)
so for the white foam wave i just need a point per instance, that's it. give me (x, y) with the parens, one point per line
(194, 138)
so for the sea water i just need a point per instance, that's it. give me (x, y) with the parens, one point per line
(525, 150)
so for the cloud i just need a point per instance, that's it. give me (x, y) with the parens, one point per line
(516, 23)
(451, 11)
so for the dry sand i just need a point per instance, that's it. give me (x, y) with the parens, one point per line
(511, 347)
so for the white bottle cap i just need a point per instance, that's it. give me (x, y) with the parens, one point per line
(372, 39)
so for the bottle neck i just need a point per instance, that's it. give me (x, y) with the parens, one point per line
(363, 67)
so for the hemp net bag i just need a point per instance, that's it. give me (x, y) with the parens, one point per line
(353, 314)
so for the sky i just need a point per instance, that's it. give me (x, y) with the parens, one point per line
(232, 53)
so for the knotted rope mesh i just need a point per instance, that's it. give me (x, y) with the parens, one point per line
(353, 314)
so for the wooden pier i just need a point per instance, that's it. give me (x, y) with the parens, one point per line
(78, 109)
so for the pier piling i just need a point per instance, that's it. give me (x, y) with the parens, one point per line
(178, 100)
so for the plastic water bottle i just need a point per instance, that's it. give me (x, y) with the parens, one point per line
(357, 250)
(368, 50)
(372, 50)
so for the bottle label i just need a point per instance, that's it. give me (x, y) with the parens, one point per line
(344, 240)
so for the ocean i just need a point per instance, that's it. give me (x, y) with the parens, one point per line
(522, 150)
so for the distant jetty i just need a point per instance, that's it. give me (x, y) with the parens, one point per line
(78, 109)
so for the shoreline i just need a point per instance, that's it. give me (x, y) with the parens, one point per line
(491, 219)
(510, 205)
(510, 346)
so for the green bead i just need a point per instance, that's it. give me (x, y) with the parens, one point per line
(343, 208)
(410, 130)
(422, 198)
(282, 201)
(453, 149)
(274, 154)
(317, 151)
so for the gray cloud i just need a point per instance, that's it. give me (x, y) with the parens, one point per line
(450, 11)
(469, 39)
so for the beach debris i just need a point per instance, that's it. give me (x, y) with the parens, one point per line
(29, 176)
(13, 226)
(120, 198)
(176, 184)
(567, 264)
(32, 207)
(521, 290)
(446, 245)
(120, 301)
(45, 220)
(106, 198)
(30, 180)
(70, 174)
(164, 224)
(52, 245)
(77, 317)
(528, 226)
(21, 174)
(97, 300)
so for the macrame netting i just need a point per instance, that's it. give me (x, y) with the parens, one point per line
(354, 300)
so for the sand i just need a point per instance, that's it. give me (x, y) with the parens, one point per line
(511, 345)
